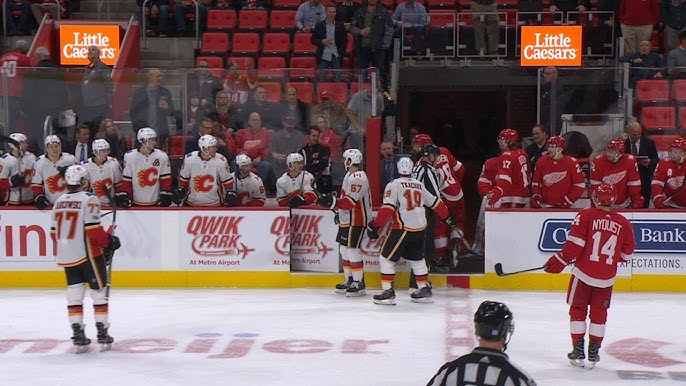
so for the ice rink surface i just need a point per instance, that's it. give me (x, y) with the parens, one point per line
(314, 337)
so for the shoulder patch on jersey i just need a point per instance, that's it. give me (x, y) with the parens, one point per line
(5, 155)
(189, 154)
(89, 194)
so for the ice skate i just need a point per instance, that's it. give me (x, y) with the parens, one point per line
(424, 295)
(104, 339)
(355, 289)
(81, 343)
(387, 297)
(343, 286)
(576, 357)
(593, 356)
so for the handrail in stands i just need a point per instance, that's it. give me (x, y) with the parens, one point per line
(197, 24)
(100, 2)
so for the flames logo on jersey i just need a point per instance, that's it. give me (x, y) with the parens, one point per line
(55, 184)
(675, 182)
(553, 178)
(101, 186)
(217, 236)
(203, 183)
(614, 178)
(147, 177)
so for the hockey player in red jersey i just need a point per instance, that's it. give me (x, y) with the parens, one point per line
(669, 179)
(48, 173)
(489, 172)
(512, 182)
(598, 240)
(558, 181)
(14, 65)
(618, 169)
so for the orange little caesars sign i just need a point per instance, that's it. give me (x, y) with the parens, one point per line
(75, 40)
(551, 46)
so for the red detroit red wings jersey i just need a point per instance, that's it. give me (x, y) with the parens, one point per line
(489, 171)
(450, 175)
(667, 180)
(597, 240)
(14, 66)
(623, 175)
(514, 176)
(555, 180)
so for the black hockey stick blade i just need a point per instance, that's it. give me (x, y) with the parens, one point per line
(498, 267)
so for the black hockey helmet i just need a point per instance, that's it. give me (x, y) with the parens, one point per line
(493, 321)
(429, 149)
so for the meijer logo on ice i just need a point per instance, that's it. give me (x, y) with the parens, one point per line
(551, 46)
(75, 40)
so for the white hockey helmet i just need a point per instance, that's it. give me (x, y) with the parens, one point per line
(292, 158)
(206, 141)
(145, 134)
(352, 157)
(74, 174)
(100, 144)
(405, 166)
(52, 139)
(243, 160)
(19, 137)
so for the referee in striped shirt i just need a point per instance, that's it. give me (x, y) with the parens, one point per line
(486, 365)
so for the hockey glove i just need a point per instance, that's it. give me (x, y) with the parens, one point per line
(328, 201)
(231, 198)
(165, 198)
(372, 231)
(449, 221)
(62, 170)
(41, 202)
(122, 200)
(565, 203)
(637, 202)
(296, 201)
(17, 181)
(555, 263)
(495, 195)
(456, 233)
(179, 195)
(659, 201)
(114, 243)
(536, 201)
(336, 219)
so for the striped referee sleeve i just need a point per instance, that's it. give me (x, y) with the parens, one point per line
(426, 174)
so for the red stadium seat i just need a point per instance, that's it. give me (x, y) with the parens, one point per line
(246, 44)
(273, 91)
(215, 65)
(276, 43)
(282, 21)
(286, 4)
(252, 20)
(302, 45)
(679, 90)
(272, 67)
(221, 20)
(215, 43)
(658, 119)
(682, 118)
(304, 67)
(337, 90)
(650, 91)
(305, 90)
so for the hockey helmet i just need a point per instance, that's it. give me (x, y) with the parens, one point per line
(292, 158)
(422, 140)
(430, 149)
(243, 160)
(52, 139)
(677, 152)
(405, 166)
(75, 174)
(556, 140)
(509, 135)
(100, 144)
(604, 195)
(145, 134)
(614, 150)
(207, 141)
(493, 321)
(679, 143)
(19, 137)
(352, 157)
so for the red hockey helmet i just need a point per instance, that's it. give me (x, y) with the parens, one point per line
(604, 195)
(510, 135)
(616, 144)
(679, 143)
(556, 140)
(677, 152)
(422, 140)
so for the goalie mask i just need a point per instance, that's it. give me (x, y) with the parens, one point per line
(493, 321)
(76, 175)
(352, 157)
(295, 161)
(101, 149)
(405, 166)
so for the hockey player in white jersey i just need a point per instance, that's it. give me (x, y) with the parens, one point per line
(295, 187)
(403, 202)
(104, 171)
(19, 191)
(248, 185)
(10, 176)
(147, 174)
(205, 176)
(48, 182)
(353, 210)
(81, 242)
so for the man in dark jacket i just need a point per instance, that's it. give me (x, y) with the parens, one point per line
(331, 40)
(316, 155)
(373, 31)
(152, 105)
(96, 91)
(645, 151)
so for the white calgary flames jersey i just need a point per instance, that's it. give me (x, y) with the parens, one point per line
(24, 195)
(145, 176)
(9, 167)
(72, 215)
(203, 179)
(408, 196)
(288, 187)
(250, 190)
(356, 189)
(102, 177)
(47, 180)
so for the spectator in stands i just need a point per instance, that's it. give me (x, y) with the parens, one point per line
(238, 85)
(332, 139)
(254, 142)
(538, 148)
(223, 4)
(269, 112)
(389, 160)
(22, 11)
(676, 59)
(673, 18)
(637, 19)
(225, 143)
(569, 6)
(45, 94)
(331, 40)
(645, 151)
(203, 84)
(645, 64)
(359, 110)
(552, 89)
(409, 18)
(156, 12)
(284, 142)
(334, 112)
(152, 106)
(486, 25)
(96, 91)
(194, 112)
(187, 7)
(109, 131)
(309, 13)
(531, 6)
(412, 132)
(345, 12)
(297, 108)
(46, 7)
(15, 59)
(226, 114)
(316, 155)
(81, 146)
(373, 31)
(254, 4)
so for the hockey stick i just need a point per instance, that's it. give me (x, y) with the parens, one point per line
(108, 268)
(498, 267)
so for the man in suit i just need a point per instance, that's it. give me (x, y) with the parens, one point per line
(81, 147)
(389, 160)
(331, 40)
(645, 151)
